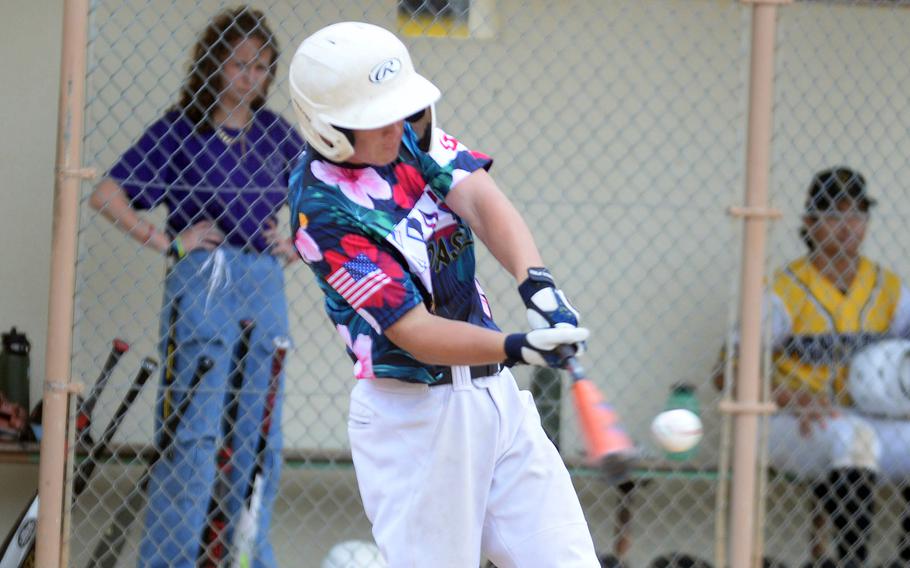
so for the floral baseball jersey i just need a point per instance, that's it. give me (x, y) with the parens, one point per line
(381, 240)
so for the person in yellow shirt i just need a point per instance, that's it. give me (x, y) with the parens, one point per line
(823, 308)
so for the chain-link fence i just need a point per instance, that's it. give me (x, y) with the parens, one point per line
(837, 106)
(618, 128)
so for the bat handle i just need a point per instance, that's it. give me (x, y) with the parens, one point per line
(572, 365)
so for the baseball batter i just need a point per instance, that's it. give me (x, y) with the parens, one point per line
(450, 457)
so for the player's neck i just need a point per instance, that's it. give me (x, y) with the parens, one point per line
(839, 269)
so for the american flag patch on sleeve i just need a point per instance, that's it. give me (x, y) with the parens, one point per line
(358, 279)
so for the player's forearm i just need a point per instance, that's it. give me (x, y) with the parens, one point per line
(496, 222)
(438, 341)
(111, 201)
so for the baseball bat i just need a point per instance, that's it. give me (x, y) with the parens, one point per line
(213, 547)
(87, 405)
(608, 447)
(246, 531)
(108, 548)
(19, 547)
(170, 356)
(84, 406)
(87, 467)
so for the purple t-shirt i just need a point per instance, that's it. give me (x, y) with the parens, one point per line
(199, 177)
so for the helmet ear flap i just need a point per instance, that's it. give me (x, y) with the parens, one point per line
(335, 145)
(348, 133)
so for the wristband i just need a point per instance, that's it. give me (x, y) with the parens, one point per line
(513, 344)
(176, 249)
(541, 275)
(547, 305)
(538, 277)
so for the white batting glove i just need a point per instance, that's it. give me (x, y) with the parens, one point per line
(547, 305)
(539, 346)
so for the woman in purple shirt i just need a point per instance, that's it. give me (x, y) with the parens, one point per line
(219, 162)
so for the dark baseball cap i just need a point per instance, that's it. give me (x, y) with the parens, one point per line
(830, 186)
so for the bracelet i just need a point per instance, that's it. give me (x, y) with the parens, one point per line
(176, 249)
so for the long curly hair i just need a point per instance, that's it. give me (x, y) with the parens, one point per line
(203, 84)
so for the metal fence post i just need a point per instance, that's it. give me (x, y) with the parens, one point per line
(755, 215)
(62, 283)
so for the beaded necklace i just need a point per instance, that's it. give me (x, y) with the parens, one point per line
(231, 139)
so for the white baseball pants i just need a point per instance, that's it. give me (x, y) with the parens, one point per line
(852, 440)
(452, 472)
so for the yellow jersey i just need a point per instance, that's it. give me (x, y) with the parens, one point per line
(826, 325)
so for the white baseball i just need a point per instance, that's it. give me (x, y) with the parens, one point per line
(677, 430)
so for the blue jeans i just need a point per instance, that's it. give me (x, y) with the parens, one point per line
(207, 294)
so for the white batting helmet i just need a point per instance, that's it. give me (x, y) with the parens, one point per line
(356, 76)
(879, 378)
(354, 554)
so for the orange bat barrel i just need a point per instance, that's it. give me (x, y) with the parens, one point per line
(607, 444)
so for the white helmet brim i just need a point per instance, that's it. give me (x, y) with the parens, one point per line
(386, 107)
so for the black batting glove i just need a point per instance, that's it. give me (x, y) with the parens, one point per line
(540, 346)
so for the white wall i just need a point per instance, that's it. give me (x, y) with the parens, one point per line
(30, 67)
(30, 42)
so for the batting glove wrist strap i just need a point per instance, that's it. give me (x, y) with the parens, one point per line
(540, 346)
(547, 305)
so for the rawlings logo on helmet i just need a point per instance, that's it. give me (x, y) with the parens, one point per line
(385, 70)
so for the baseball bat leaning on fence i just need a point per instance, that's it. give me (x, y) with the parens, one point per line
(84, 406)
(87, 467)
(87, 405)
(246, 531)
(608, 446)
(19, 547)
(108, 548)
(213, 547)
